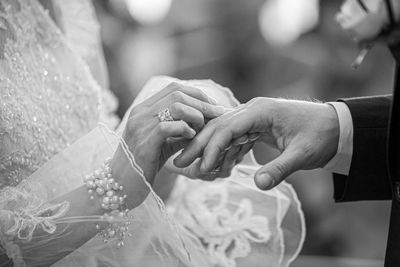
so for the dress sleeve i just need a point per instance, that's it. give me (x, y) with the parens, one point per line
(40, 228)
(368, 178)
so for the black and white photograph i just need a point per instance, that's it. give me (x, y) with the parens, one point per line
(200, 133)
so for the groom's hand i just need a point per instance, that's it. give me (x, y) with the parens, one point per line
(305, 133)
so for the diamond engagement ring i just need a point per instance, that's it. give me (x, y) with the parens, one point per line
(165, 115)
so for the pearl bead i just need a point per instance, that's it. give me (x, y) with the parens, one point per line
(110, 193)
(100, 191)
(90, 184)
(106, 200)
(111, 233)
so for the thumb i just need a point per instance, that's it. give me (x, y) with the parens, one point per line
(275, 171)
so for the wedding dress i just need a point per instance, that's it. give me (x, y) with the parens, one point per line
(57, 125)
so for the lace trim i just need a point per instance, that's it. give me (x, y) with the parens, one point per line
(22, 211)
(225, 230)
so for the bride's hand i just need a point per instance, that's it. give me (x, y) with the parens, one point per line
(151, 140)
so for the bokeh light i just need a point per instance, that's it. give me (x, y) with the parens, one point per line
(148, 11)
(283, 21)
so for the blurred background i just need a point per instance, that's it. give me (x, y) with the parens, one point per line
(275, 48)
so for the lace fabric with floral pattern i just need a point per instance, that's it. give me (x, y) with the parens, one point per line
(48, 99)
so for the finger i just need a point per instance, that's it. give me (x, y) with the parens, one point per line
(188, 114)
(183, 89)
(217, 144)
(229, 161)
(195, 167)
(274, 172)
(176, 143)
(208, 110)
(241, 140)
(243, 151)
(195, 148)
(232, 125)
(169, 129)
(252, 138)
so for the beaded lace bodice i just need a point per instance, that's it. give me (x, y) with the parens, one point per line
(48, 96)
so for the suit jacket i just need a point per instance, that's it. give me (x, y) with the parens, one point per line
(375, 167)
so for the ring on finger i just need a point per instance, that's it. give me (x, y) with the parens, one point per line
(254, 138)
(242, 143)
(165, 115)
(228, 148)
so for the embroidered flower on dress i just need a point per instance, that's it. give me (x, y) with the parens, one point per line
(226, 230)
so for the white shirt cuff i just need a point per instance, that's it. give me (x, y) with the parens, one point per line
(341, 162)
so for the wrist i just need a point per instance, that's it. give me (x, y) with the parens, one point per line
(333, 132)
(133, 182)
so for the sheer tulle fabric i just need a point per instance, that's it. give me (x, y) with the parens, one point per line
(155, 238)
(238, 224)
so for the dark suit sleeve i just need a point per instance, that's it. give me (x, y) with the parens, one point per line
(368, 178)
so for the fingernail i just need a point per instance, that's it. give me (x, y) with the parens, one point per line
(265, 182)
(178, 161)
(192, 133)
(212, 100)
(241, 143)
(203, 166)
(229, 147)
(220, 109)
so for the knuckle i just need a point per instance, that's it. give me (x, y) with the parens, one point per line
(162, 127)
(220, 127)
(177, 96)
(280, 169)
(177, 109)
(134, 111)
(182, 124)
(204, 108)
(201, 93)
(172, 86)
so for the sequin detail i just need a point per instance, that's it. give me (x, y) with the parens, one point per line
(48, 98)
